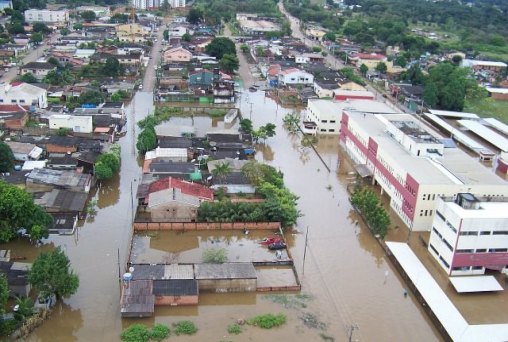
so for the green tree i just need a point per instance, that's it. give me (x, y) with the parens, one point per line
(456, 59)
(119, 18)
(36, 38)
(246, 126)
(147, 140)
(77, 26)
(195, 16)
(414, 75)
(430, 95)
(400, 61)
(88, 16)
(18, 210)
(245, 48)
(135, 333)
(330, 36)
(221, 170)
(381, 67)
(316, 49)
(260, 51)
(364, 69)
(229, 63)
(6, 158)
(91, 97)
(372, 210)
(51, 274)
(41, 28)
(15, 28)
(25, 308)
(65, 31)
(4, 292)
(186, 37)
(165, 34)
(221, 46)
(286, 28)
(103, 171)
(112, 67)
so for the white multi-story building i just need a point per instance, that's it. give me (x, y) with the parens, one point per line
(327, 114)
(149, 4)
(47, 16)
(294, 76)
(78, 124)
(470, 234)
(411, 164)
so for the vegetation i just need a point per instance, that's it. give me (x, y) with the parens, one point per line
(185, 328)
(221, 170)
(291, 122)
(246, 126)
(306, 10)
(135, 333)
(349, 73)
(487, 107)
(6, 158)
(88, 16)
(18, 210)
(28, 78)
(147, 140)
(229, 63)
(159, 332)
(268, 321)
(113, 68)
(225, 10)
(263, 132)
(215, 256)
(108, 164)
(234, 329)
(51, 274)
(372, 210)
(221, 46)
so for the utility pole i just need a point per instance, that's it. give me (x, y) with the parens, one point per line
(351, 330)
(305, 250)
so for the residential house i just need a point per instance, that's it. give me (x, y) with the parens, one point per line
(177, 54)
(23, 94)
(24, 151)
(100, 11)
(305, 58)
(224, 92)
(173, 200)
(78, 124)
(16, 274)
(170, 154)
(178, 31)
(38, 69)
(294, 76)
(134, 58)
(371, 60)
(162, 167)
(202, 78)
(315, 33)
(500, 94)
(233, 183)
(43, 180)
(344, 95)
(131, 28)
(63, 201)
(22, 39)
(325, 88)
(13, 116)
(59, 18)
(346, 84)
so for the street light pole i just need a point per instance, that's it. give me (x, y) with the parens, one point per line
(250, 115)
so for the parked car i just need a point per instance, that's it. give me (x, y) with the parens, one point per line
(277, 245)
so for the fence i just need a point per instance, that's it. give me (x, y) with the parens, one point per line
(186, 226)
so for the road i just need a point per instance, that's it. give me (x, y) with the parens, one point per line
(155, 55)
(32, 56)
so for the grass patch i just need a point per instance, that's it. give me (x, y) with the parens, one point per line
(215, 256)
(268, 321)
(298, 301)
(489, 108)
(234, 329)
(217, 113)
(185, 328)
(326, 337)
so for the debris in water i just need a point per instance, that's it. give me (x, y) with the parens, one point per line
(312, 321)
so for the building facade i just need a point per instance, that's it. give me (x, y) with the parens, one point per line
(78, 124)
(411, 164)
(470, 234)
(23, 94)
(295, 76)
(150, 4)
(47, 16)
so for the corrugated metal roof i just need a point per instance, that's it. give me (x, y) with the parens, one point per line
(241, 270)
(175, 287)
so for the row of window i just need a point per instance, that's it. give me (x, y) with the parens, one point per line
(429, 197)
(426, 212)
(467, 268)
(13, 101)
(482, 250)
(326, 121)
(484, 232)
(442, 239)
(324, 130)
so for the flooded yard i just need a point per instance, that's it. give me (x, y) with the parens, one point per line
(189, 246)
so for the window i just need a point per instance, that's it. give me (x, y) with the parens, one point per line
(433, 249)
(498, 250)
(471, 233)
(444, 262)
(322, 130)
(332, 121)
(440, 215)
(331, 130)
(435, 231)
(324, 121)
(451, 227)
(462, 251)
(21, 101)
(477, 267)
(485, 232)
(448, 245)
(481, 250)
(500, 232)
(13, 101)
(461, 268)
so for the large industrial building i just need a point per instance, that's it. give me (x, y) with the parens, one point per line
(413, 164)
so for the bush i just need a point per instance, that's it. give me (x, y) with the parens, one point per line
(135, 333)
(234, 329)
(268, 321)
(215, 256)
(159, 332)
(185, 328)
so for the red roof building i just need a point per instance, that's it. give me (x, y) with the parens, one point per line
(187, 188)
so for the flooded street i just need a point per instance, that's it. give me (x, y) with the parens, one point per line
(346, 275)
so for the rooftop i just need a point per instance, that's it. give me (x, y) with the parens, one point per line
(364, 106)
(187, 188)
(39, 65)
(226, 271)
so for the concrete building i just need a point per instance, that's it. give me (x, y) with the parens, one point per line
(258, 27)
(23, 94)
(100, 11)
(24, 151)
(412, 165)
(151, 4)
(327, 114)
(78, 124)
(470, 234)
(177, 54)
(38, 69)
(47, 16)
(295, 76)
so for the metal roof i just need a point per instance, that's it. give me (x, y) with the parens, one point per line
(225, 271)
(175, 287)
(475, 284)
(445, 311)
(497, 125)
(489, 135)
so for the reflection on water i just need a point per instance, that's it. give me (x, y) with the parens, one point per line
(202, 124)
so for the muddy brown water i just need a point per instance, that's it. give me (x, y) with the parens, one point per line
(344, 269)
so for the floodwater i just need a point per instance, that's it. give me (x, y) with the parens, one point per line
(202, 124)
(344, 271)
(188, 247)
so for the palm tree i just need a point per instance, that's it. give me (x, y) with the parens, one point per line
(221, 170)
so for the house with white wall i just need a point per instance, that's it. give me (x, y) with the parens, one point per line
(60, 17)
(470, 234)
(23, 94)
(294, 76)
(78, 124)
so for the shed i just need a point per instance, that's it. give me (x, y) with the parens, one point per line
(176, 292)
(228, 277)
(137, 299)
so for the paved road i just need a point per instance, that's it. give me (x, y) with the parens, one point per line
(32, 56)
(155, 54)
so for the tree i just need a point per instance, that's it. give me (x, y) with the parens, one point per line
(41, 28)
(25, 308)
(36, 38)
(112, 67)
(246, 126)
(51, 274)
(221, 46)
(381, 67)
(372, 210)
(186, 37)
(77, 26)
(108, 164)
(15, 28)
(414, 75)
(103, 171)
(135, 333)
(245, 48)
(286, 28)
(330, 36)
(91, 97)
(221, 170)
(6, 158)
(364, 69)
(119, 18)
(400, 61)
(4, 292)
(18, 210)
(147, 140)
(165, 34)
(88, 16)
(195, 16)
(65, 31)
(229, 63)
